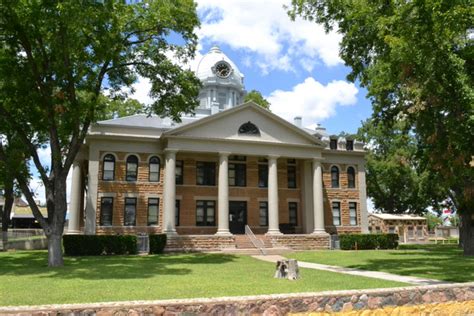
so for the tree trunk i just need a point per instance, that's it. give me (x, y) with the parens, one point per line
(57, 205)
(467, 233)
(9, 200)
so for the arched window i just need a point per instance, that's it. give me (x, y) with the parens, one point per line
(351, 177)
(334, 177)
(132, 168)
(249, 129)
(108, 167)
(154, 169)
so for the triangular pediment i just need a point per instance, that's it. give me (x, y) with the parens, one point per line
(240, 122)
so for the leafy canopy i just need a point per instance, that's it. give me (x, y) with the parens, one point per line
(257, 97)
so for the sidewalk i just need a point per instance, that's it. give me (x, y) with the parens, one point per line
(364, 273)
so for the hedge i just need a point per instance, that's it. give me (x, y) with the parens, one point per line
(93, 245)
(157, 243)
(368, 241)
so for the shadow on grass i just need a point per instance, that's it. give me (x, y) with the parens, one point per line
(106, 267)
(442, 263)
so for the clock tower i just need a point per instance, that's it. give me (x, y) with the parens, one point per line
(222, 83)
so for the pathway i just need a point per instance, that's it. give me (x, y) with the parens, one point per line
(351, 271)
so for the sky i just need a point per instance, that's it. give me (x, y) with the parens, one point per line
(294, 64)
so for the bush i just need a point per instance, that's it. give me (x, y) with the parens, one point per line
(93, 245)
(157, 243)
(368, 241)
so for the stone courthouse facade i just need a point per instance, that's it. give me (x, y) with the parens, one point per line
(231, 164)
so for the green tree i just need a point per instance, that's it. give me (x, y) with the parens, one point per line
(57, 60)
(394, 181)
(258, 98)
(416, 59)
(433, 221)
(120, 108)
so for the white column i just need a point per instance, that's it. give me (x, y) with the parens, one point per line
(223, 195)
(318, 203)
(169, 193)
(273, 225)
(364, 222)
(90, 222)
(76, 199)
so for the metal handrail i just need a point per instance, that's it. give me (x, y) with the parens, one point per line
(255, 241)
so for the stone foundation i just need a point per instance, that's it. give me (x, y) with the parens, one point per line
(456, 297)
(196, 243)
(301, 242)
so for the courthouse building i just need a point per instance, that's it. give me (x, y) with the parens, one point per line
(230, 165)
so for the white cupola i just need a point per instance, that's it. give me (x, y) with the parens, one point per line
(222, 83)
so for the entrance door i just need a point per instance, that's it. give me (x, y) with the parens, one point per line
(237, 217)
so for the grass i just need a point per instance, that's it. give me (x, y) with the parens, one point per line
(25, 279)
(441, 262)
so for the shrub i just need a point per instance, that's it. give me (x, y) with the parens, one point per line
(93, 245)
(368, 241)
(157, 243)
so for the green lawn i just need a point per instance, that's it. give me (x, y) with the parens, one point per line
(441, 262)
(25, 279)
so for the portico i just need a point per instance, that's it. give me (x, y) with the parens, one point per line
(169, 196)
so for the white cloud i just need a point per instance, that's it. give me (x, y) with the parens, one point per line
(312, 100)
(263, 27)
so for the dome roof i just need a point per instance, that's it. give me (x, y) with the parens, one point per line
(205, 70)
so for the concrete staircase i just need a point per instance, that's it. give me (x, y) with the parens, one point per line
(243, 245)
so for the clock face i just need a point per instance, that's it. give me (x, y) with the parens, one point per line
(222, 69)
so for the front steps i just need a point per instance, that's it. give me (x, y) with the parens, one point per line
(244, 246)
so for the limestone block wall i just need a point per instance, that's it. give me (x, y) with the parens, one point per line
(453, 299)
(344, 195)
(300, 242)
(199, 243)
(189, 192)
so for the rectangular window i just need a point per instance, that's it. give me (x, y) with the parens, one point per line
(333, 143)
(293, 212)
(205, 173)
(263, 175)
(291, 171)
(108, 170)
(263, 206)
(179, 171)
(153, 208)
(205, 213)
(336, 213)
(419, 231)
(176, 213)
(237, 158)
(353, 213)
(237, 174)
(391, 230)
(350, 145)
(106, 211)
(130, 212)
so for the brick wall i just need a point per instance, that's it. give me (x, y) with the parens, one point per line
(189, 192)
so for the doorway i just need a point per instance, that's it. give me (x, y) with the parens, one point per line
(237, 217)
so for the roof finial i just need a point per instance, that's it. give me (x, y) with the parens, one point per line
(215, 49)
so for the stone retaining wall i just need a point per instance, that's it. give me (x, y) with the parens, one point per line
(198, 243)
(301, 242)
(355, 301)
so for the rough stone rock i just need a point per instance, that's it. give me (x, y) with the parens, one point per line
(347, 307)
(374, 302)
(363, 297)
(272, 311)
